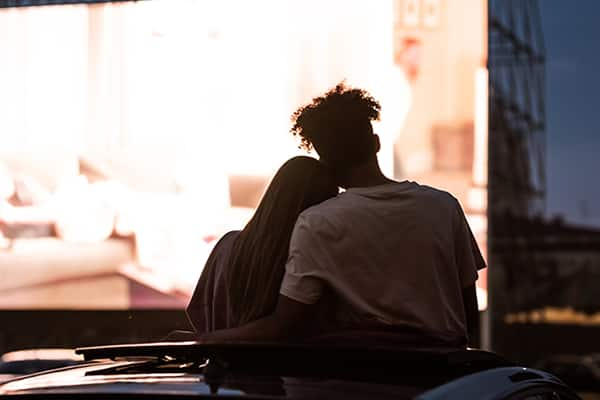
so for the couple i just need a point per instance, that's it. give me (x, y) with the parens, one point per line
(383, 256)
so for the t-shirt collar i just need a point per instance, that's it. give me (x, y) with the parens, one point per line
(382, 187)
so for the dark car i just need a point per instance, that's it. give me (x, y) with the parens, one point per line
(284, 371)
(582, 372)
(24, 362)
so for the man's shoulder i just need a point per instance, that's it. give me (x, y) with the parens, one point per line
(321, 210)
(437, 194)
(323, 219)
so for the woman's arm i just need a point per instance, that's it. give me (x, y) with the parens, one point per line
(200, 308)
(288, 321)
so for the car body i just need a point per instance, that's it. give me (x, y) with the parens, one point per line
(25, 362)
(285, 371)
(582, 372)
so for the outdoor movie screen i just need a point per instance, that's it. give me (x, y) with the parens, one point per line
(135, 134)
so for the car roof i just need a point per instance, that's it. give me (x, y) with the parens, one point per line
(190, 350)
(249, 370)
(346, 360)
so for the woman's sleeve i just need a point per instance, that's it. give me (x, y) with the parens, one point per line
(199, 309)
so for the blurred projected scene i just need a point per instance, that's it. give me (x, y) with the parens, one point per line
(136, 134)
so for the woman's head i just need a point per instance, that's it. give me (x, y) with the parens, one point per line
(301, 182)
(260, 252)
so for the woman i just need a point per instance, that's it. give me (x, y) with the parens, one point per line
(242, 276)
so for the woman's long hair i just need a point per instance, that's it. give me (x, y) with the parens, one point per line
(259, 254)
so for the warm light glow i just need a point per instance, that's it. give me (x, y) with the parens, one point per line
(40, 354)
(482, 298)
(480, 160)
(478, 196)
(477, 200)
(478, 223)
(82, 213)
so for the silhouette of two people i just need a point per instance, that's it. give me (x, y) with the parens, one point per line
(392, 258)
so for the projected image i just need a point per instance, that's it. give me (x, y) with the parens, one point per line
(134, 135)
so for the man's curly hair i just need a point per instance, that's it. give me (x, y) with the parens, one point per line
(338, 125)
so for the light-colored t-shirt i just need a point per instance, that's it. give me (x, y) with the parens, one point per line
(397, 254)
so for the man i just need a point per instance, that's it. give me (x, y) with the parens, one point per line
(388, 255)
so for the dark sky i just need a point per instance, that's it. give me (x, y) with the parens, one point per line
(572, 34)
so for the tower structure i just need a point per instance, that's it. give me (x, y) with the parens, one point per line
(516, 62)
(516, 156)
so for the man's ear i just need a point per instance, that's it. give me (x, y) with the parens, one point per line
(377, 142)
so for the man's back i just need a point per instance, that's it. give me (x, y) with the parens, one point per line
(397, 254)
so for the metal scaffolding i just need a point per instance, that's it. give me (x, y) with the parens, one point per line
(516, 156)
(516, 63)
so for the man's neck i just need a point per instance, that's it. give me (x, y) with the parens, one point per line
(365, 175)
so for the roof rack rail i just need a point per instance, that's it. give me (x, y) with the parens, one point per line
(232, 351)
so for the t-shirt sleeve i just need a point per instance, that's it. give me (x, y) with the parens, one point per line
(468, 256)
(302, 280)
